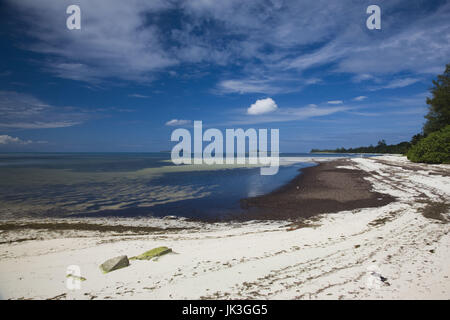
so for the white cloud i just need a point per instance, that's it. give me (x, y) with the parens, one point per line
(139, 96)
(266, 85)
(243, 86)
(313, 81)
(400, 83)
(116, 39)
(335, 102)
(326, 54)
(129, 41)
(291, 114)
(177, 122)
(24, 111)
(355, 50)
(262, 106)
(5, 139)
(397, 83)
(363, 77)
(39, 124)
(360, 98)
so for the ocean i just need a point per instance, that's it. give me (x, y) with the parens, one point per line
(129, 185)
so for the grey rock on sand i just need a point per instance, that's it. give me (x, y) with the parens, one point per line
(114, 264)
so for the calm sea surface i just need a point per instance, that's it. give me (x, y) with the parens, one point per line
(128, 184)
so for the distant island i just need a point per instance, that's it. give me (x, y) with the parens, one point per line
(381, 147)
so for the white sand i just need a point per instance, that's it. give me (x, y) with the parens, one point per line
(339, 258)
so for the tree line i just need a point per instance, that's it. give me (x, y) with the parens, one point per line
(381, 147)
(432, 144)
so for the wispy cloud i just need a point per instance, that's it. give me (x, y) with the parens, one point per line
(414, 104)
(38, 125)
(363, 77)
(366, 114)
(177, 122)
(269, 47)
(139, 96)
(24, 111)
(265, 85)
(335, 102)
(397, 83)
(360, 98)
(115, 39)
(249, 86)
(274, 36)
(290, 114)
(417, 100)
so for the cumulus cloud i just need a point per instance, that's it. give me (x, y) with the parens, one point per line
(177, 122)
(335, 102)
(262, 106)
(360, 98)
(5, 139)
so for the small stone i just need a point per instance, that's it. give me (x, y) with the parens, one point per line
(114, 264)
(153, 253)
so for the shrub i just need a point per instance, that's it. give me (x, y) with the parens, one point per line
(435, 148)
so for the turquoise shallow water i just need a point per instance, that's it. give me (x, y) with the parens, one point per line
(127, 184)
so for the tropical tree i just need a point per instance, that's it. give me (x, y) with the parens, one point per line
(439, 105)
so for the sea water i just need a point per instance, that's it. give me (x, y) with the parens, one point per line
(129, 185)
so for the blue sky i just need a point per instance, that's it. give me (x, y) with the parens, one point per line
(139, 69)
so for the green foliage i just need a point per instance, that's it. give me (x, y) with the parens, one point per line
(416, 138)
(381, 147)
(435, 148)
(433, 145)
(439, 105)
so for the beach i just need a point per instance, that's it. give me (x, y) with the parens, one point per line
(328, 187)
(359, 228)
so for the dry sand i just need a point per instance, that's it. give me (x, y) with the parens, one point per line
(397, 251)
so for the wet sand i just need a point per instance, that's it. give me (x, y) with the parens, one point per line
(325, 188)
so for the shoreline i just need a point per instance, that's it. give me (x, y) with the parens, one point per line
(326, 256)
(323, 189)
(339, 189)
